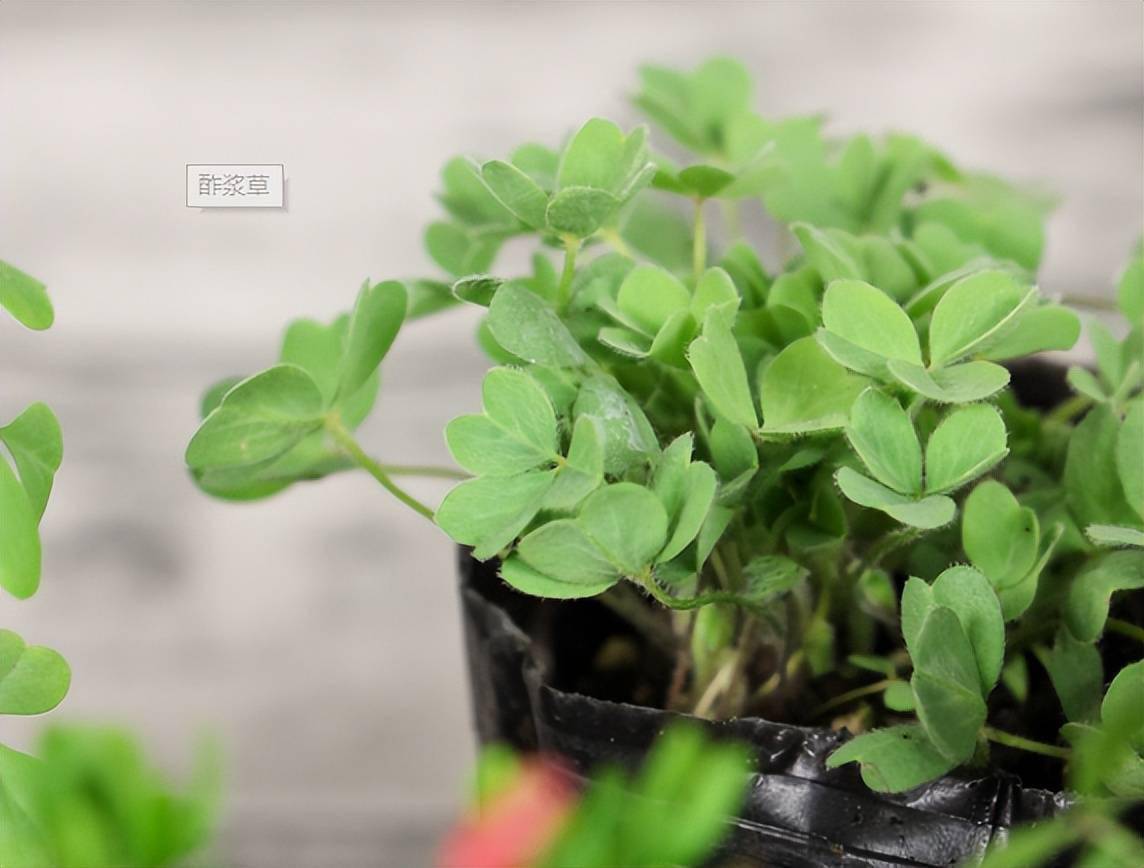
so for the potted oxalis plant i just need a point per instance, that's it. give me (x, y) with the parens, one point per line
(812, 493)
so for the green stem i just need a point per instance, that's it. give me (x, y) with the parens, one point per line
(1070, 408)
(699, 242)
(564, 291)
(686, 603)
(626, 602)
(851, 695)
(889, 544)
(426, 470)
(377, 471)
(1126, 628)
(1021, 743)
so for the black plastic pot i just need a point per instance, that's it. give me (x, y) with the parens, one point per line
(525, 656)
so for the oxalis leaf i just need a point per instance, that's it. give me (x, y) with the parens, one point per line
(528, 327)
(894, 759)
(958, 384)
(628, 523)
(1000, 536)
(583, 471)
(927, 513)
(973, 311)
(628, 436)
(516, 191)
(516, 432)
(619, 531)
(36, 444)
(1089, 595)
(968, 594)
(884, 438)
(19, 538)
(946, 685)
(490, 512)
(718, 366)
(863, 316)
(967, 443)
(803, 390)
(33, 679)
(376, 320)
(1091, 475)
(25, 298)
(258, 420)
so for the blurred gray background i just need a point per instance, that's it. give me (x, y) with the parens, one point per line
(317, 633)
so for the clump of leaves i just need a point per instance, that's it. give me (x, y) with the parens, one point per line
(90, 798)
(673, 811)
(810, 466)
(33, 678)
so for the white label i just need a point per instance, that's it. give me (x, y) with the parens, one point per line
(244, 185)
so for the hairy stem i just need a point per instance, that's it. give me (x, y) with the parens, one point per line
(1021, 743)
(625, 602)
(347, 442)
(564, 291)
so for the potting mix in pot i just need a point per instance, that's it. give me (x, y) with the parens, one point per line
(783, 455)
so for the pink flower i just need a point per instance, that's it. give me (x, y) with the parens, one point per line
(515, 827)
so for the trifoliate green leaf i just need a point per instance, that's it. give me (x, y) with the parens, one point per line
(970, 596)
(699, 485)
(517, 431)
(377, 317)
(865, 317)
(519, 193)
(957, 384)
(1091, 475)
(718, 366)
(974, 311)
(33, 679)
(490, 512)
(804, 389)
(946, 685)
(628, 436)
(1111, 535)
(927, 513)
(882, 434)
(25, 298)
(1038, 330)
(1122, 710)
(1129, 456)
(1088, 598)
(968, 442)
(529, 581)
(583, 471)
(628, 523)
(894, 759)
(828, 253)
(1130, 291)
(651, 295)
(19, 538)
(258, 420)
(1077, 674)
(563, 551)
(580, 211)
(1001, 537)
(476, 288)
(529, 328)
(33, 438)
